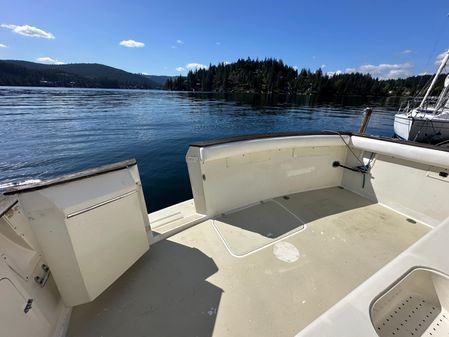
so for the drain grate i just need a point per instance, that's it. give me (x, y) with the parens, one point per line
(414, 317)
(413, 307)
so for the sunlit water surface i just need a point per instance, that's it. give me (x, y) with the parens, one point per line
(51, 131)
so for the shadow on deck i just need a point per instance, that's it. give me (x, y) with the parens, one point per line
(254, 227)
(164, 294)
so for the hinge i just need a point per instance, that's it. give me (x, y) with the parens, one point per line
(28, 305)
(42, 280)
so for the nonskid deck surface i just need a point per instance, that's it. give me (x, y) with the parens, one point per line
(172, 219)
(190, 284)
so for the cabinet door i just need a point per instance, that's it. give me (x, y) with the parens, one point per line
(106, 241)
(14, 322)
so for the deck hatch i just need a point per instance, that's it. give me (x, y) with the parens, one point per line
(249, 229)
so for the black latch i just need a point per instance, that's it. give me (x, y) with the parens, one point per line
(28, 305)
(42, 280)
(361, 168)
(364, 169)
(443, 174)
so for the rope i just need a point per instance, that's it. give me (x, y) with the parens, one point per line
(444, 142)
(424, 125)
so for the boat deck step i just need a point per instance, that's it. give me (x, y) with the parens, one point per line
(171, 220)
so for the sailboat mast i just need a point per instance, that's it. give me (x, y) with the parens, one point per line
(435, 78)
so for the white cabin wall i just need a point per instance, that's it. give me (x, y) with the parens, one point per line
(413, 189)
(235, 181)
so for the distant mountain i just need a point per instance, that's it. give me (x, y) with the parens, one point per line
(159, 79)
(84, 75)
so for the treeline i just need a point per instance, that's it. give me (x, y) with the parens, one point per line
(22, 73)
(272, 76)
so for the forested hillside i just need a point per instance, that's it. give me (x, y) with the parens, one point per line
(273, 76)
(244, 76)
(84, 75)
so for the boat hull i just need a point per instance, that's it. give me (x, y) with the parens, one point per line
(432, 130)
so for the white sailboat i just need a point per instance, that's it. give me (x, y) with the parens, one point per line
(429, 121)
(318, 234)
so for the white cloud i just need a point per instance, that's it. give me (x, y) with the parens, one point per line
(386, 70)
(195, 66)
(332, 73)
(440, 57)
(179, 41)
(218, 43)
(397, 73)
(3, 45)
(407, 51)
(226, 62)
(145, 74)
(27, 30)
(295, 67)
(49, 60)
(132, 44)
(377, 69)
(382, 71)
(323, 66)
(173, 47)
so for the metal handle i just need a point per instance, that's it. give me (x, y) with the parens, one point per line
(87, 209)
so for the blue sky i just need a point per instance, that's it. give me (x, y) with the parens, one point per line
(385, 38)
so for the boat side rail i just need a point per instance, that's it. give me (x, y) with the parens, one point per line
(415, 152)
(231, 149)
(71, 177)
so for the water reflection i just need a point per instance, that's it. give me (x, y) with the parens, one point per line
(282, 101)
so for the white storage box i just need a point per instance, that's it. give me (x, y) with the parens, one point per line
(91, 227)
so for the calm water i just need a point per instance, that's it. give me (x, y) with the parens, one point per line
(48, 132)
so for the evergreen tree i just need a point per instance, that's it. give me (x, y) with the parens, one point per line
(272, 76)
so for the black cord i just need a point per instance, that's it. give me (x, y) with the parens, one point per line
(362, 168)
(347, 145)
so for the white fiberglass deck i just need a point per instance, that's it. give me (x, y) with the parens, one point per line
(191, 285)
